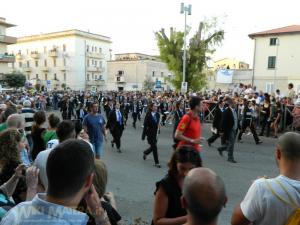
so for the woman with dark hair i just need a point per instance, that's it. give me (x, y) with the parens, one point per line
(167, 204)
(266, 114)
(178, 114)
(276, 117)
(37, 133)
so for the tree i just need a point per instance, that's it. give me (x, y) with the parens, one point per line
(15, 80)
(201, 47)
(148, 84)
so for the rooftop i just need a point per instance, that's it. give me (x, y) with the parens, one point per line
(279, 31)
(65, 33)
(4, 23)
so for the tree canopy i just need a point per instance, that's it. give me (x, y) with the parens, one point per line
(15, 80)
(199, 50)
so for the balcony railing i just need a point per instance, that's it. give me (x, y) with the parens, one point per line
(94, 82)
(95, 55)
(6, 58)
(45, 69)
(7, 39)
(63, 68)
(34, 55)
(27, 69)
(120, 79)
(95, 69)
(53, 53)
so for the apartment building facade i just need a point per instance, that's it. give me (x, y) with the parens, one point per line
(129, 71)
(5, 40)
(72, 58)
(276, 59)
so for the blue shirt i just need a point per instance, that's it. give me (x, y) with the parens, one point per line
(39, 211)
(94, 126)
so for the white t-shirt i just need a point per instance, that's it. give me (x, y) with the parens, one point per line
(52, 143)
(261, 207)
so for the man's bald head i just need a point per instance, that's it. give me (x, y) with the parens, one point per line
(289, 145)
(204, 194)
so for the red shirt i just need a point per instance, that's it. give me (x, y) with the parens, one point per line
(191, 128)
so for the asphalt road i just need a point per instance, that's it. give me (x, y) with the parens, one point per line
(132, 179)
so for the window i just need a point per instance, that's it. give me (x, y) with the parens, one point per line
(64, 47)
(55, 76)
(88, 62)
(46, 76)
(88, 77)
(92, 48)
(45, 49)
(153, 73)
(28, 64)
(95, 77)
(120, 72)
(54, 62)
(87, 48)
(100, 77)
(65, 76)
(272, 62)
(100, 50)
(100, 64)
(27, 52)
(28, 76)
(269, 87)
(20, 64)
(64, 61)
(36, 63)
(45, 62)
(273, 41)
(37, 76)
(162, 74)
(95, 63)
(92, 62)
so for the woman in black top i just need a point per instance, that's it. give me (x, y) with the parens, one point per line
(37, 133)
(276, 116)
(167, 203)
(178, 114)
(266, 120)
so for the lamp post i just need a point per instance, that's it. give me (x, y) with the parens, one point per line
(185, 9)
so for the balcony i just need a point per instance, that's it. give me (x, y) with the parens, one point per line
(34, 55)
(53, 53)
(27, 69)
(95, 69)
(45, 68)
(19, 56)
(63, 68)
(120, 79)
(95, 55)
(7, 39)
(6, 58)
(94, 82)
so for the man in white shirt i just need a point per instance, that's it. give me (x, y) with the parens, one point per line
(268, 200)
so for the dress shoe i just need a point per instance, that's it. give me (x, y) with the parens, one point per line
(112, 144)
(209, 143)
(232, 161)
(119, 151)
(157, 165)
(144, 156)
(259, 142)
(220, 152)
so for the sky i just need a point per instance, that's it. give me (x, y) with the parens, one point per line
(131, 23)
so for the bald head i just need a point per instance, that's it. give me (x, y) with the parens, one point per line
(289, 145)
(204, 195)
(15, 121)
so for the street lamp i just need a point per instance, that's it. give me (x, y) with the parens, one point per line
(185, 9)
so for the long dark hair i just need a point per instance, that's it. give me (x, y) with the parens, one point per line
(184, 154)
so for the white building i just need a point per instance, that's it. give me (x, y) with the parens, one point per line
(5, 40)
(277, 59)
(129, 71)
(75, 58)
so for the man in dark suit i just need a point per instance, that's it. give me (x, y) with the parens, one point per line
(228, 129)
(115, 124)
(136, 110)
(163, 110)
(151, 126)
(217, 122)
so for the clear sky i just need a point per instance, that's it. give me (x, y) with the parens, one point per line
(131, 23)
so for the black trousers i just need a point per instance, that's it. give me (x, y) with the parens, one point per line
(153, 149)
(134, 116)
(163, 118)
(117, 134)
(265, 124)
(214, 137)
(252, 129)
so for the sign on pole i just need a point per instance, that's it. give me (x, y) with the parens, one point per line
(184, 87)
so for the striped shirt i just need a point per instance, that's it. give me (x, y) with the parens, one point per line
(28, 113)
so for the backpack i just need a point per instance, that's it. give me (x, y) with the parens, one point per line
(294, 218)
